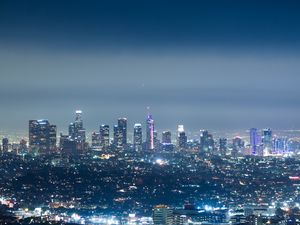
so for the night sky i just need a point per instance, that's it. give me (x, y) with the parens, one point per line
(205, 64)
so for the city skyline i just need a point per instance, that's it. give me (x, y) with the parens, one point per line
(214, 65)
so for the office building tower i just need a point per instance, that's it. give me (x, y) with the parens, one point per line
(206, 142)
(166, 137)
(149, 132)
(78, 120)
(137, 137)
(96, 143)
(41, 135)
(62, 140)
(72, 132)
(118, 137)
(254, 140)
(162, 215)
(104, 136)
(5, 145)
(122, 124)
(223, 146)
(181, 137)
(267, 138)
(52, 137)
(237, 145)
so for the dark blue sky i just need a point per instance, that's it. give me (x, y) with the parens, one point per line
(206, 64)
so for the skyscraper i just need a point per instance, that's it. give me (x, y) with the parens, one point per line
(96, 140)
(166, 137)
(137, 137)
(254, 142)
(206, 142)
(181, 137)
(150, 132)
(118, 137)
(52, 137)
(104, 136)
(122, 124)
(223, 146)
(267, 138)
(42, 135)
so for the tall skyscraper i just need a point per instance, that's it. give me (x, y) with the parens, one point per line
(96, 142)
(42, 135)
(254, 142)
(166, 137)
(77, 132)
(150, 132)
(118, 137)
(52, 137)
(137, 137)
(181, 137)
(104, 136)
(237, 145)
(267, 138)
(122, 124)
(78, 120)
(206, 142)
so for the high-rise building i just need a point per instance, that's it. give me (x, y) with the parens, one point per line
(122, 124)
(166, 137)
(162, 215)
(137, 137)
(181, 137)
(104, 136)
(78, 120)
(223, 146)
(52, 137)
(237, 145)
(42, 135)
(72, 132)
(206, 142)
(118, 137)
(96, 143)
(254, 140)
(150, 132)
(267, 138)
(77, 132)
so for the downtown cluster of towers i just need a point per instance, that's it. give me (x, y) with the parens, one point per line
(43, 136)
(43, 139)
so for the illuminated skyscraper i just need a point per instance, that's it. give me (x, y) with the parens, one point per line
(96, 140)
(118, 137)
(150, 132)
(237, 145)
(122, 124)
(181, 137)
(137, 137)
(52, 137)
(166, 137)
(78, 120)
(206, 142)
(267, 138)
(77, 132)
(254, 142)
(104, 136)
(42, 135)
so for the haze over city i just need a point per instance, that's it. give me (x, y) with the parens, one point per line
(205, 64)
